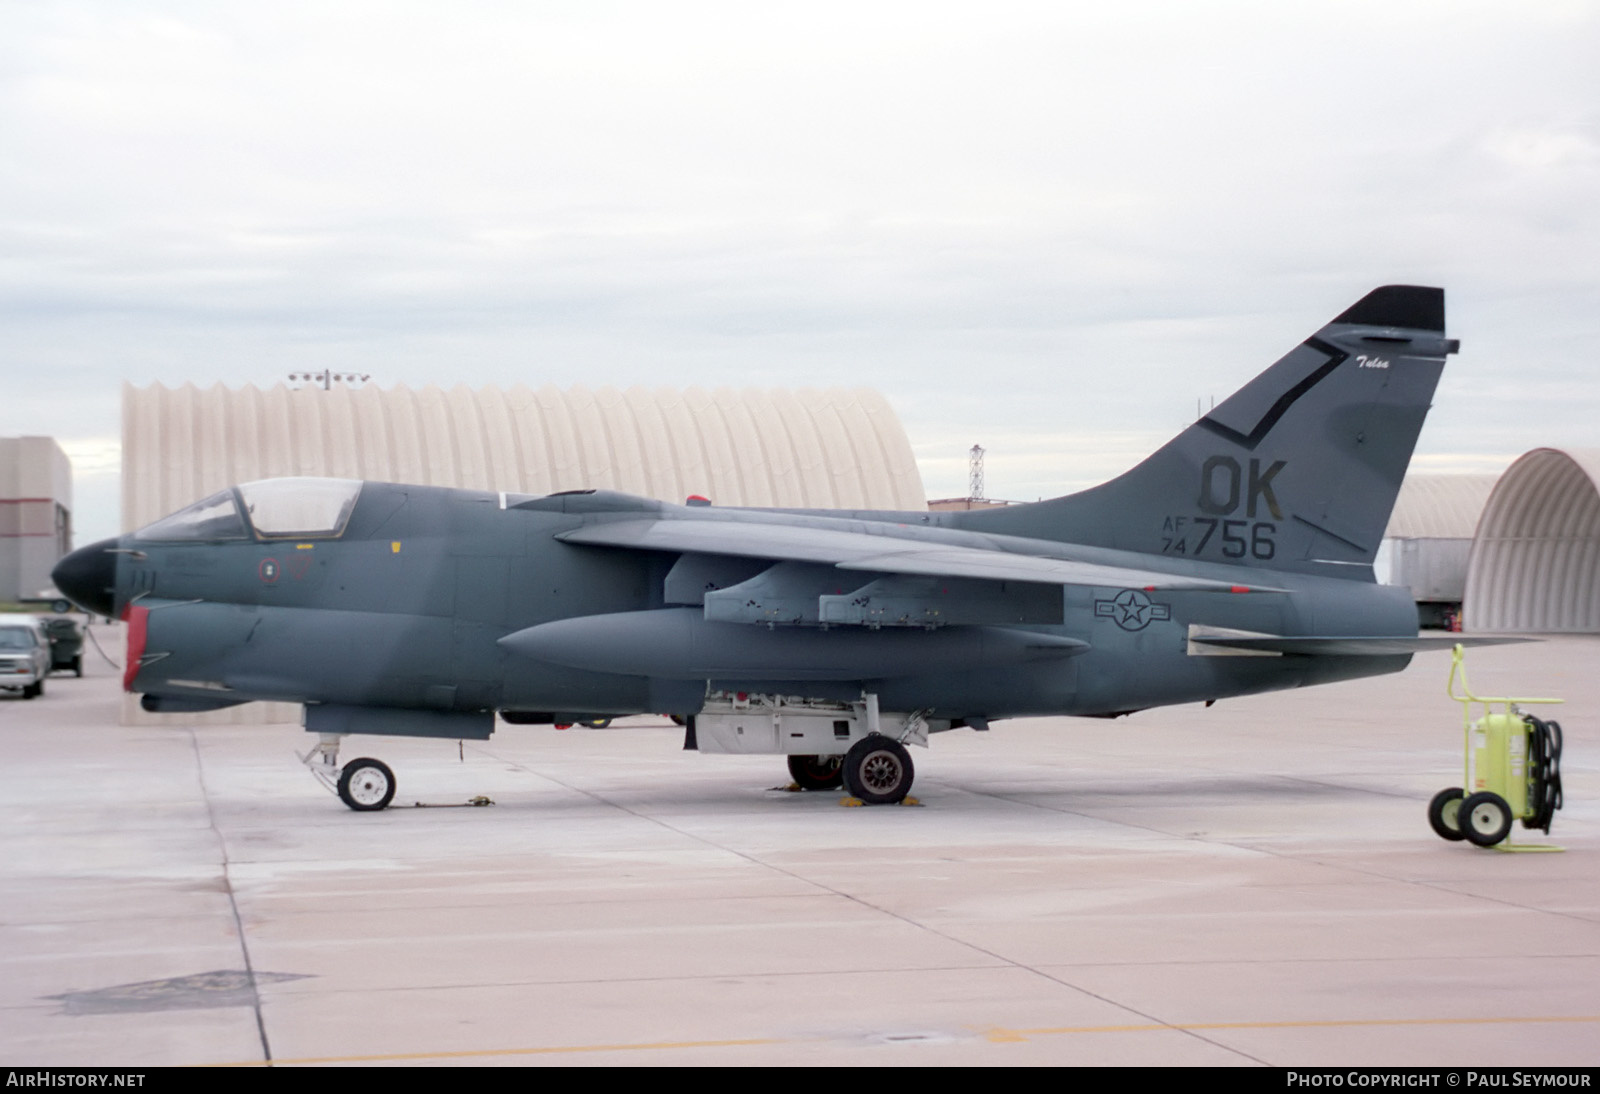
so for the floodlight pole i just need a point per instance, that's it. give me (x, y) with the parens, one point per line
(327, 377)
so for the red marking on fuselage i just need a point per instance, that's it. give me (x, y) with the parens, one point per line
(138, 621)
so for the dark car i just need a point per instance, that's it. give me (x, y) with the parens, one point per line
(66, 644)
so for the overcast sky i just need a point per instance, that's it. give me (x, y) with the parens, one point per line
(1048, 228)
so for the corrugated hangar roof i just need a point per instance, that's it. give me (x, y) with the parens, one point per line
(1439, 506)
(834, 449)
(1535, 563)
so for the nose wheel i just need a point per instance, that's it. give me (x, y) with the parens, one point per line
(365, 785)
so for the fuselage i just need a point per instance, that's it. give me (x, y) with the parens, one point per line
(411, 600)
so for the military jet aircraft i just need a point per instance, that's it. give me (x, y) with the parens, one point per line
(1236, 559)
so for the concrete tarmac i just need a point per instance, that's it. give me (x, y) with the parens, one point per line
(1251, 883)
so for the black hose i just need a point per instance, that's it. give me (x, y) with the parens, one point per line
(1544, 772)
(90, 635)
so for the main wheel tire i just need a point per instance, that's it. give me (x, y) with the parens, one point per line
(77, 666)
(366, 785)
(878, 770)
(817, 772)
(32, 691)
(1444, 814)
(596, 723)
(1485, 818)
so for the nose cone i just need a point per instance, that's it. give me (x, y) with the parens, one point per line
(88, 577)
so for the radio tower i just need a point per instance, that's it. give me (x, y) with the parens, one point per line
(975, 473)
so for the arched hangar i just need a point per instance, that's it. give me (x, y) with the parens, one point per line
(1429, 540)
(837, 448)
(1535, 562)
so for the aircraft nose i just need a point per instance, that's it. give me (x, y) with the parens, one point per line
(88, 577)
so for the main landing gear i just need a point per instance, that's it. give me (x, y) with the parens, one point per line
(817, 772)
(877, 770)
(853, 745)
(365, 785)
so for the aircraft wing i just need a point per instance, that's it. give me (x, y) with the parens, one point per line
(883, 554)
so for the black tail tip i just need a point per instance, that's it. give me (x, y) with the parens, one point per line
(1414, 307)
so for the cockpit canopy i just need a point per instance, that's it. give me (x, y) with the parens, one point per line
(301, 508)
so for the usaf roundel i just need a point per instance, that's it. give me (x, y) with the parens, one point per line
(1132, 610)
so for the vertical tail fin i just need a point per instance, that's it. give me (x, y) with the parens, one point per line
(1297, 470)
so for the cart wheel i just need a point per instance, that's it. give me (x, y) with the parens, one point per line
(1485, 818)
(1444, 814)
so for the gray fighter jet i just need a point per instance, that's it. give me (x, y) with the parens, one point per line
(1237, 559)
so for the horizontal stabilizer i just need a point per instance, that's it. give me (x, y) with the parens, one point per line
(1329, 646)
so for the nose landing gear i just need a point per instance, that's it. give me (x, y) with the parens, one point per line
(365, 785)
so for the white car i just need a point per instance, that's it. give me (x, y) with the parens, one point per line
(24, 655)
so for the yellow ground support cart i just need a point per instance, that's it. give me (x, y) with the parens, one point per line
(1513, 771)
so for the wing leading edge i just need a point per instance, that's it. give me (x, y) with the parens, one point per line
(849, 550)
